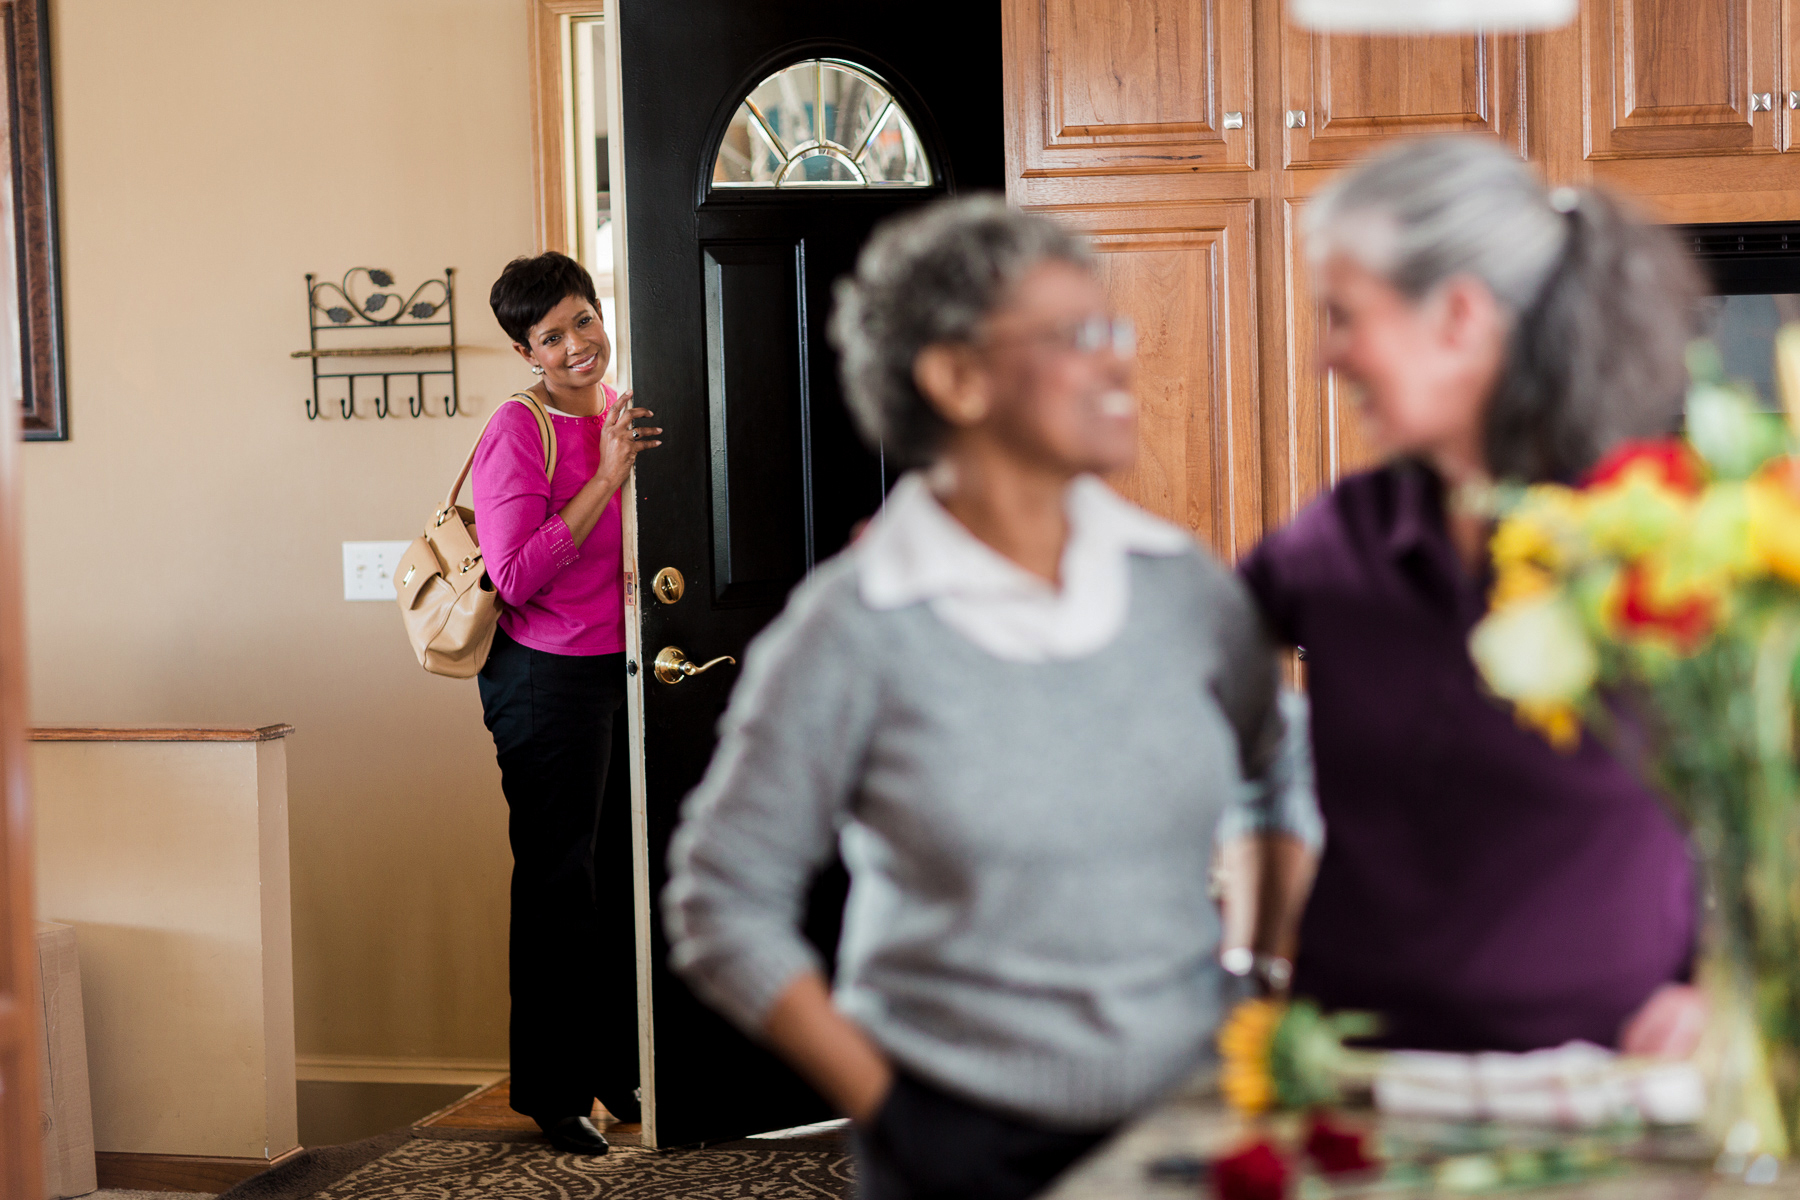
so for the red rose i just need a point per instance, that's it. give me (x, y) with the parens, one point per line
(1338, 1151)
(1254, 1173)
(1674, 464)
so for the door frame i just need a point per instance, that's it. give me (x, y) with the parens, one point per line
(553, 156)
(21, 1008)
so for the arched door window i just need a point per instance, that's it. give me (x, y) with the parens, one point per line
(821, 123)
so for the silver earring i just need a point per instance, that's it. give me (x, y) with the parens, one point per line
(537, 370)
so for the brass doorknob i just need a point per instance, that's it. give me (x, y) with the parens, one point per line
(672, 665)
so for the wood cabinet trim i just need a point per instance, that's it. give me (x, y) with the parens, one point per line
(1325, 440)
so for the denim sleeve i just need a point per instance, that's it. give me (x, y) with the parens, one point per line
(1283, 800)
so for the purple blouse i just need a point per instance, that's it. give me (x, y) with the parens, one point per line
(1479, 890)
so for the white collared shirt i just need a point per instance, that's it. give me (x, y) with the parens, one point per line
(915, 551)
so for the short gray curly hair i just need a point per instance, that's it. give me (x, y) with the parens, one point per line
(925, 278)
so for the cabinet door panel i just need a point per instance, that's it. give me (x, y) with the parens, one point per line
(1183, 274)
(1355, 90)
(1098, 86)
(1325, 432)
(1676, 77)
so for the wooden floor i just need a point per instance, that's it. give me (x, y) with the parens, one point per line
(490, 1109)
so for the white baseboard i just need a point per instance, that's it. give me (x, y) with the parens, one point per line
(351, 1068)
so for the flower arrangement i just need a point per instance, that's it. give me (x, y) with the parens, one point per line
(1656, 606)
(1281, 1055)
(1285, 1065)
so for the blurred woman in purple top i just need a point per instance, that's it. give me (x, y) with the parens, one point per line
(1478, 888)
(552, 685)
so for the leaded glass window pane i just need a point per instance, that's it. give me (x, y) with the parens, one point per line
(852, 102)
(821, 168)
(894, 154)
(820, 123)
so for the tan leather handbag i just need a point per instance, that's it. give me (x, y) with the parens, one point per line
(450, 607)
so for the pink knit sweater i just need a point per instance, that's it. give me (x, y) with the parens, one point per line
(558, 598)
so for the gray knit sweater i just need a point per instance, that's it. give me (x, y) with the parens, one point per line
(1029, 924)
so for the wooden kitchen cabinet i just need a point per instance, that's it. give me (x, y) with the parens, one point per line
(1682, 77)
(1133, 86)
(1343, 95)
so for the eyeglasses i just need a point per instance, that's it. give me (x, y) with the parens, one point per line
(1100, 333)
(1091, 336)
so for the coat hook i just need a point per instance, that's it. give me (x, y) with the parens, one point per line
(340, 307)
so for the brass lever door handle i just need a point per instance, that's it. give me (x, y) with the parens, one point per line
(672, 665)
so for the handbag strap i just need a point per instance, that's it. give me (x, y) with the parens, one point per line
(545, 430)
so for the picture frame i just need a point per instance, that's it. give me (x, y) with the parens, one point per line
(31, 186)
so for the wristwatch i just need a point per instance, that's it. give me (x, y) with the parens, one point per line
(1271, 972)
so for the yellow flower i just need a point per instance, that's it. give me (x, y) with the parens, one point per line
(1545, 530)
(1520, 540)
(1519, 581)
(1774, 521)
(1244, 1044)
(1556, 720)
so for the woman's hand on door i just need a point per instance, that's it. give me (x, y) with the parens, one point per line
(829, 1050)
(620, 444)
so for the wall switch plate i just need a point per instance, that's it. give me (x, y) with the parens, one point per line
(369, 569)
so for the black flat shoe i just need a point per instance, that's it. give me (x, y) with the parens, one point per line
(573, 1135)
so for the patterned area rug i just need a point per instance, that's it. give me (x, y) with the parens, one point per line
(442, 1164)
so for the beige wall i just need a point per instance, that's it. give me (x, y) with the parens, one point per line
(183, 558)
(170, 859)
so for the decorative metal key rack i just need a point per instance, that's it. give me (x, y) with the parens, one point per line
(367, 299)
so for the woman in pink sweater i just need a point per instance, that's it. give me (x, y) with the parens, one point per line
(554, 681)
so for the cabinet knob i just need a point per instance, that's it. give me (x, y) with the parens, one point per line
(1235, 120)
(1794, 99)
(1296, 118)
(1762, 102)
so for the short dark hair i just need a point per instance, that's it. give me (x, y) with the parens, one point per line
(530, 287)
(930, 276)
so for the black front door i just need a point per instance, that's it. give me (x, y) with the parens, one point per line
(761, 475)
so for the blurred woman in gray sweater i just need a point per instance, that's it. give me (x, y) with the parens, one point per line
(1019, 706)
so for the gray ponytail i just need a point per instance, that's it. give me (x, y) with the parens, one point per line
(1603, 305)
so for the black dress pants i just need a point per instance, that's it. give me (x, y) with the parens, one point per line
(926, 1144)
(573, 1027)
